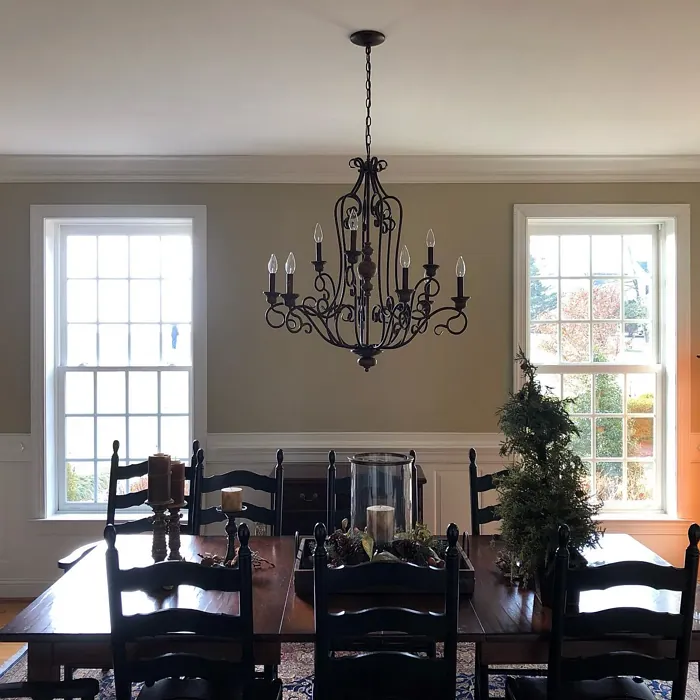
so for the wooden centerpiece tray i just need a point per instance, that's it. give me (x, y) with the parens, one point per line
(304, 571)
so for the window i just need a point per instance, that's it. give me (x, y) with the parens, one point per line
(118, 352)
(597, 311)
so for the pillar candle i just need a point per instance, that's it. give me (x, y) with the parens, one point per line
(232, 499)
(380, 523)
(177, 481)
(159, 478)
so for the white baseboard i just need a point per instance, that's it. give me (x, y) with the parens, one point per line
(23, 587)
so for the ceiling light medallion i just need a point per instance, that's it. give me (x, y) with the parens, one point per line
(371, 306)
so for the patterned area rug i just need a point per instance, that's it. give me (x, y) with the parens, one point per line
(298, 661)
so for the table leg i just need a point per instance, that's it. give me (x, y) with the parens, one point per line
(40, 663)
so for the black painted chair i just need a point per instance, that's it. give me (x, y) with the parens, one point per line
(384, 674)
(338, 490)
(273, 485)
(181, 652)
(119, 502)
(85, 689)
(615, 674)
(482, 516)
(477, 485)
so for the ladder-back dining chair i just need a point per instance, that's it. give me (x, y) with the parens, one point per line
(384, 674)
(618, 673)
(272, 485)
(184, 652)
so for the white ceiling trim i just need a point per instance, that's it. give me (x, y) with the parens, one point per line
(335, 170)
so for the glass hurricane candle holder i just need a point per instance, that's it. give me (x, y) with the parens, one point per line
(381, 493)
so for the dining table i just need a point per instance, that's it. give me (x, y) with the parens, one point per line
(69, 623)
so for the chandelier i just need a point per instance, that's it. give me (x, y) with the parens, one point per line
(370, 307)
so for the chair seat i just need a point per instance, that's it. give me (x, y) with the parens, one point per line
(198, 689)
(616, 688)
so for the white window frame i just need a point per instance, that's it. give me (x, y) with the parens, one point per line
(673, 306)
(44, 223)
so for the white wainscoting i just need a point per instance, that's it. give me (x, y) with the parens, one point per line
(444, 458)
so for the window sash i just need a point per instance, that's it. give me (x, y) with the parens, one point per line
(553, 227)
(125, 227)
(658, 438)
(542, 228)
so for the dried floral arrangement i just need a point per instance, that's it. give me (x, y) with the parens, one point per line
(259, 562)
(416, 546)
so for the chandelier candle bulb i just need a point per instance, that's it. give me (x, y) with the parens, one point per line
(177, 481)
(232, 499)
(461, 270)
(380, 523)
(430, 242)
(159, 478)
(289, 268)
(272, 269)
(353, 225)
(405, 262)
(318, 237)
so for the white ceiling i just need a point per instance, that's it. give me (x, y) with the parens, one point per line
(279, 77)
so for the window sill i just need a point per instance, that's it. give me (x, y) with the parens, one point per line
(643, 524)
(78, 524)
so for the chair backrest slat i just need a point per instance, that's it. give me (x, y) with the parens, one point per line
(179, 573)
(272, 485)
(410, 577)
(628, 573)
(619, 663)
(477, 485)
(222, 673)
(623, 624)
(596, 625)
(487, 514)
(355, 624)
(163, 622)
(238, 477)
(131, 499)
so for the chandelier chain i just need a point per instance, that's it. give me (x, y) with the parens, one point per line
(368, 100)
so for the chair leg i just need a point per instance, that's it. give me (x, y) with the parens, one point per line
(67, 673)
(481, 676)
(270, 673)
(431, 652)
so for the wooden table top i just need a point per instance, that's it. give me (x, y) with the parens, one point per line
(76, 607)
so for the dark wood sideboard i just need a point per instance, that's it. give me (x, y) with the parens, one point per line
(304, 498)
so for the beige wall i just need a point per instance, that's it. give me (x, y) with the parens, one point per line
(263, 380)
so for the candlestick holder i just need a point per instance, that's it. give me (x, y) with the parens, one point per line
(174, 531)
(231, 530)
(159, 550)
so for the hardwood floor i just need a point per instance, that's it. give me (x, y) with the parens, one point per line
(8, 610)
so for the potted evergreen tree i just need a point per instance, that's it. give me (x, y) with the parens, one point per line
(546, 486)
